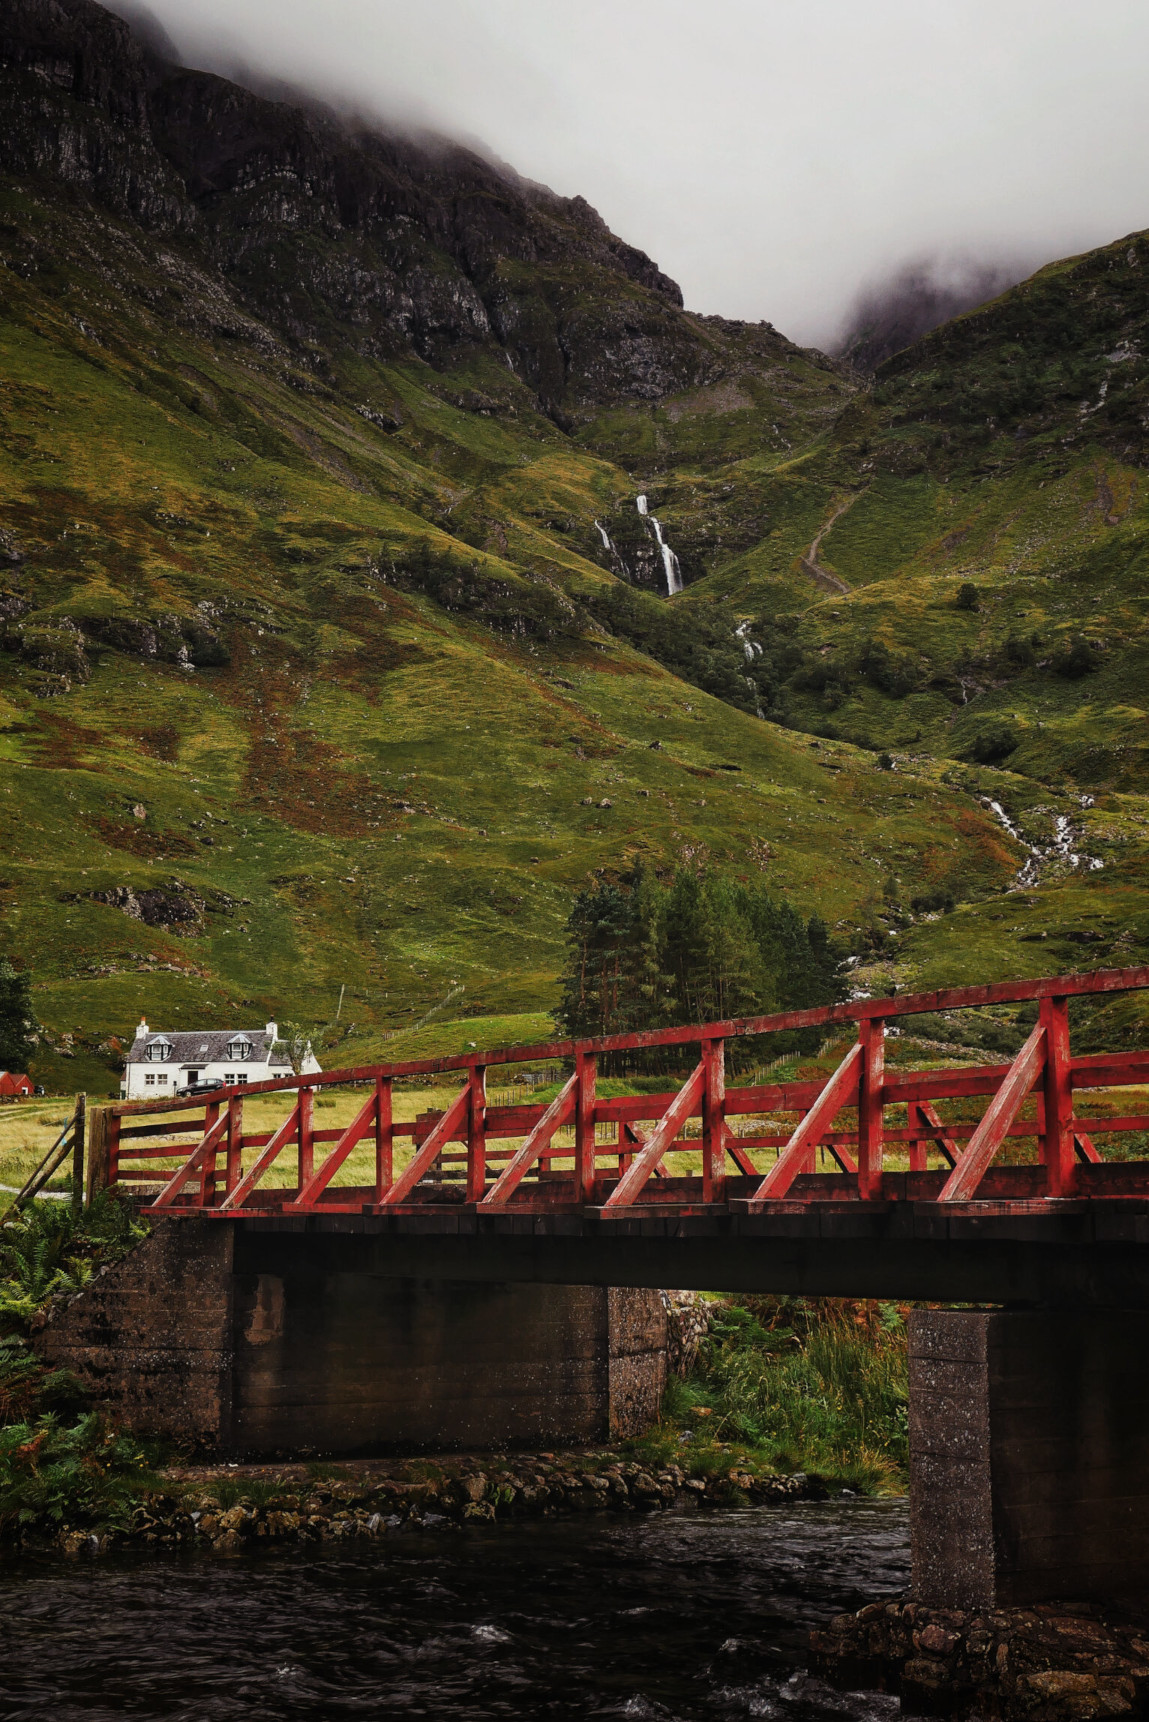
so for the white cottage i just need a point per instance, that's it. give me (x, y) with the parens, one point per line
(160, 1063)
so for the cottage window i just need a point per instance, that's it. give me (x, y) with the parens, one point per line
(149, 1080)
(157, 1051)
(240, 1047)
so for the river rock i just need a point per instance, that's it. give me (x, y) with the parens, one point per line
(1052, 1662)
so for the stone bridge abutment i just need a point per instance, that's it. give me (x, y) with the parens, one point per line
(260, 1346)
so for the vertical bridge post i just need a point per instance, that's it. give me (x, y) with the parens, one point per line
(234, 1163)
(1060, 1157)
(872, 1039)
(306, 1138)
(214, 1128)
(384, 1138)
(586, 1068)
(714, 1121)
(477, 1135)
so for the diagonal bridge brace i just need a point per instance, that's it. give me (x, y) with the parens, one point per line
(196, 1162)
(237, 1197)
(841, 1087)
(455, 1116)
(560, 1111)
(351, 1137)
(974, 1161)
(664, 1133)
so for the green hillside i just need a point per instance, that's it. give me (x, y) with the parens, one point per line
(320, 684)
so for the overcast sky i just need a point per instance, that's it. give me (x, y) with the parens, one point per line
(772, 155)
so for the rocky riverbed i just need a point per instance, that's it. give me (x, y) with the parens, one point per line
(1053, 1662)
(221, 1508)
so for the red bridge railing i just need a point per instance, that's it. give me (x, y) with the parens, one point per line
(757, 1145)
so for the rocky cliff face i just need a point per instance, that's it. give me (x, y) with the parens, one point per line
(333, 233)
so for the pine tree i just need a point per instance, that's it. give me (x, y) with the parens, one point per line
(15, 1018)
(700, 948)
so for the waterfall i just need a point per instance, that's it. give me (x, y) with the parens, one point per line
(670, 564)
(671, 568)
(604, 535)
(751, 649)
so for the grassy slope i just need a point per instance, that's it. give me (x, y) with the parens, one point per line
(396, 796)
(375, 792)
(1005, 451)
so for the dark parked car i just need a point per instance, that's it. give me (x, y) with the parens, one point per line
(208, 1087)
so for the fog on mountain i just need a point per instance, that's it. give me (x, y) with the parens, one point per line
(898, 310)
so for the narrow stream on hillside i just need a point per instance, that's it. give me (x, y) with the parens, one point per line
(677, 1617)
(1062, 848)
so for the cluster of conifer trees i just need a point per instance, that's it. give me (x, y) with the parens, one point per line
(647, 952)
(15, 1018)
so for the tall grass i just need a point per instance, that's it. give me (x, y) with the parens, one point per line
(817, 1385)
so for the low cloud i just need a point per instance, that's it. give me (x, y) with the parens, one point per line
(891, 314)
(770, 156)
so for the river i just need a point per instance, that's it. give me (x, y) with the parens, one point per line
(557, 1619)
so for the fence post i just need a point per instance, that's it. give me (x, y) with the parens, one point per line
(98, 1132)
(78, 1142)
(584, 1169)
(384, 1169)
(477, 1135)
(1057, 1139)
(306, 1138)
(714, 1121)
(872, 1035)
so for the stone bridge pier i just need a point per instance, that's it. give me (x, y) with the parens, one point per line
(1029, 1454)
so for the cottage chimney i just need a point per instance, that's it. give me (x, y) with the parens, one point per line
(142, 1031)
(273, 1032)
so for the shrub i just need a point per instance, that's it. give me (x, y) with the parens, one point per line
(86, 1474)
(1074, 658)
(992, 744)
(968, 597)
(819, 1385)
(82, 1472)
(932, 903)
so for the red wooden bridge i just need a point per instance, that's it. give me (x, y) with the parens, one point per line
(891, 1134)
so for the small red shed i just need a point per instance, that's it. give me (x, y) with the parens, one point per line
(14, 1086)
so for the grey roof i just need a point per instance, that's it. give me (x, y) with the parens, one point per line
(209, 1046)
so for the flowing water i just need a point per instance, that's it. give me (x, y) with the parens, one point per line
(670, 566)
(1062, 848)
(679, 1617)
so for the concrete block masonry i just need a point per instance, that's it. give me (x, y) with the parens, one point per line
(190, 1339)
(1029, 1455)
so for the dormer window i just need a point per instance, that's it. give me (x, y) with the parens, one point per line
(158, 1051)
(239, 1047)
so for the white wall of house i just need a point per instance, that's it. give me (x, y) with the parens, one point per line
(162, 1064)
(151, 1082)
